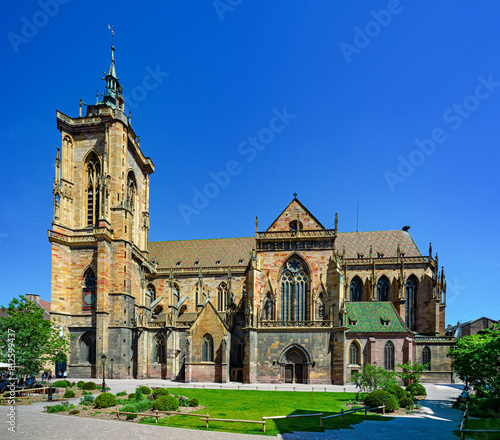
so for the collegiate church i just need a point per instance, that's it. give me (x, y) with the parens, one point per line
(292, 303)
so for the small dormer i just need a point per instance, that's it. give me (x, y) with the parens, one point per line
(385, 321)
(353, 322)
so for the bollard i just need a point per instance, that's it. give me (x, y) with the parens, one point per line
(341, 416)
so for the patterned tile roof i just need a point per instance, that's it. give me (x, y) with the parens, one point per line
(369, 317)
(384, 242)
(229, 251)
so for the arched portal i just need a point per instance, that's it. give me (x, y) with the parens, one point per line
(295, 362)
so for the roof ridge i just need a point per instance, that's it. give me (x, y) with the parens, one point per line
(198, 239)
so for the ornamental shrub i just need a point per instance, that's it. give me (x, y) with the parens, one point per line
(87, 400)
(105, 400)
(68, 383)
(89, 386)
(159, 392)
(80, 383)
(416, 389)
(68, 394)
(146, 390)
(60, 384)
(166, 403)
(193, 402)
(74, 411)
(381, 397)
(121, 393)
(138, 394)
(131, 396)
(406, 402)
(396, 390)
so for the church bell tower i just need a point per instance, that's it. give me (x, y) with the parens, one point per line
(99, 233)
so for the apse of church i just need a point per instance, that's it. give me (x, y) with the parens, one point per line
(294, 303)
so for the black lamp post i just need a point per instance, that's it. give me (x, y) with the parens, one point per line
(103, 357)
(49, 397)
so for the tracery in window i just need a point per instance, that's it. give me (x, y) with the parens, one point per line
(89, 285)
(389, 356)
(222, 297)
(355, 289)
(411, 302)
(207, 349)
(383, 289)
(93, 171)
(294, 284)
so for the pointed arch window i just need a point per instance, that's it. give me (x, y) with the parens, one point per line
(426, 357)
(383, 289)
(389, 356)
(222, 297)
(411, 302)
(160, 353)
(354, 354)
(89, 290)
(355, 289)
(207, 349)
(294, 289)
(93, 170)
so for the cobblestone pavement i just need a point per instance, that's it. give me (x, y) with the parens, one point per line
(437, 423)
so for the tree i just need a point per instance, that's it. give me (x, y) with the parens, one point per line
(411, 372)
(28, 340)
(476, 360)
(374, 378)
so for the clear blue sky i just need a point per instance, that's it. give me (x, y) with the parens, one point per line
(365, 82)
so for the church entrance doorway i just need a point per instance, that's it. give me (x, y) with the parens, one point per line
(295, 365)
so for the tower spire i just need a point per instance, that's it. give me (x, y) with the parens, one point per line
(113, 96)
(112, 71)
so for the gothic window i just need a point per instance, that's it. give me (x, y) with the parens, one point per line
(355, 288)
(88, 348)
(354, 354)
(207, 349)
(426, 357)
(389, 356)
(89, 290)
(294, 287)
(383, 289)
(411, 302)
(150, 295)
(240, 351)
(160, 353)
(222, 297)
(267, 308)
(93, 170)
(320, 307)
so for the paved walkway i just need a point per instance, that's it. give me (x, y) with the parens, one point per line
(437, 423)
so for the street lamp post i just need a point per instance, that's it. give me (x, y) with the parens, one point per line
(103, 357)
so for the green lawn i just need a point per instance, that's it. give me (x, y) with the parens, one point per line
(483, 424)
(252, 405)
